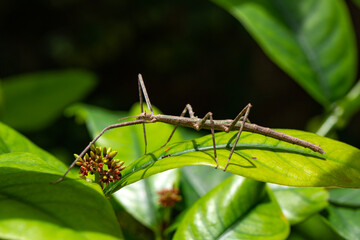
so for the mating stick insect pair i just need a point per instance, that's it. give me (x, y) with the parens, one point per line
(240, 123)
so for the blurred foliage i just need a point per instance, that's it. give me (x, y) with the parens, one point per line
(357, 2)
(315, 35)
(33, 101)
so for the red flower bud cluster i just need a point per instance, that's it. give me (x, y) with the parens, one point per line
(169, 197)
(101, 162)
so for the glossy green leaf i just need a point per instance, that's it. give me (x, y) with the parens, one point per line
(12, 141)
(33, 101)
(298, 204)
(258, 157)
(238, 208)
(345, 221)
(312, 40)
(32, 208)
(345, 197)
(196, 181)
(140, 199)
(316, 227)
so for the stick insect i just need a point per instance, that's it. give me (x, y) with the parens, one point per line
(240, 123)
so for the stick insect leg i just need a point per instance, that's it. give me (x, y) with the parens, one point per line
(245, 111)
(142, 90)
(200, 124)
(187, 108)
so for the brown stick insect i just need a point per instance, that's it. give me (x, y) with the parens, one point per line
(240, 123)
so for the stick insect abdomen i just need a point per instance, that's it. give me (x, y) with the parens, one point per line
(221, 125)
(282, 136)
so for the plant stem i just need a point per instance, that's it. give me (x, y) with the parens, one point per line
(341, 111)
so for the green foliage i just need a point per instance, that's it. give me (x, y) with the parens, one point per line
(342, 111)
(141, 199)
(315, 227)
(73, 210)
(313, 41)
(357, 2)
(12, 141)
(258, 215)
(298, 204)
(345, 197)
(33, 101)
(345, 221)
(193, 179)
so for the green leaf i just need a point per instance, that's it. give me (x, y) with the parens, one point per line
(33, 101)
(140, 199)
(258, 157)
(316, 227)
(12, 141)
(345, 221)
(236, 209)
(342, 111)
(311, 40)
(345, 197)
(32, 208)
(196, 181)
(96, 120)
(298, 204)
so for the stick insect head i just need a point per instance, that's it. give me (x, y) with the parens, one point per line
(145, 116)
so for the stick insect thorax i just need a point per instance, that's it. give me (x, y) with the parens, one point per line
(240, 123)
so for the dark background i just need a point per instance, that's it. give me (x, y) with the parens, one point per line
(188, 52)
